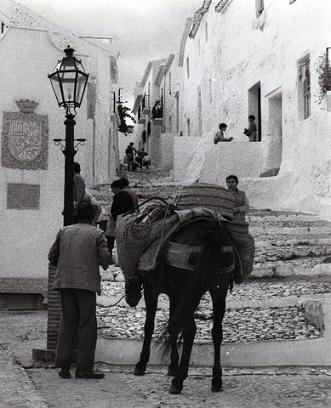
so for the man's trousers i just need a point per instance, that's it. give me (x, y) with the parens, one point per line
(79, 322)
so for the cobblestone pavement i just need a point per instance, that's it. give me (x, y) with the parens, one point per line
(247, 325)
(242, 388)
(241, 323)
(19, 333)
(42, 387)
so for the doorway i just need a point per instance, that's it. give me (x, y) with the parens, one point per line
(275, 133)
(254, 107)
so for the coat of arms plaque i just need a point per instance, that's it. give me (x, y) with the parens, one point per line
(24, 138)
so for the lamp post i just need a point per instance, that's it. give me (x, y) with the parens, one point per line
(69, 81)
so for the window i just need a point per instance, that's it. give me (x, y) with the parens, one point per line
(304, 96)
(259, 7)
(188, 122)
(206, 31)
(188, 67)
(210, 92)
(149, 94)
(177, 111)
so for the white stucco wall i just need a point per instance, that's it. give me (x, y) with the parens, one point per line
(27, 56)
(166, 150)
(183, 155)
(237, 55)
(223, 159)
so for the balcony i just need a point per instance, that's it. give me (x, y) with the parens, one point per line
(157, 113)
(146, 109)
(140, 118)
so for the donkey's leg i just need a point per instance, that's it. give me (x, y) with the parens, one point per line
(151, 306)
(173, 334)
(218, 296)
(188, 338)
(188, 331)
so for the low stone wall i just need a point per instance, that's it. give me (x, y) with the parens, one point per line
(243, 159)
(183, 148)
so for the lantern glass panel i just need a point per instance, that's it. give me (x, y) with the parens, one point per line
(69, 81)
(57, 88)
(80, 87)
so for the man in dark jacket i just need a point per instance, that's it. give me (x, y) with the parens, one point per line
(124, 201)
(79, 185)
(77, 252)
(130, 152)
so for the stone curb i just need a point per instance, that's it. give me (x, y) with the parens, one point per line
(17, 389)
(310, 352)
(315, 352)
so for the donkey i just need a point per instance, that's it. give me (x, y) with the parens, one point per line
(211, 267)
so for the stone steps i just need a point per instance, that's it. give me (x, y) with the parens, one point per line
(286, 243)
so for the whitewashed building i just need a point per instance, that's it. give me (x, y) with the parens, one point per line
(170, 94)
(163, 113)
(147, 94)
(262, 58)
(32, 167)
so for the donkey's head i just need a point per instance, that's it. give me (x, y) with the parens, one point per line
(133, 288)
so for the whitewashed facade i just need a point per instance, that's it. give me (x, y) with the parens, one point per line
(170, 94)
(147, 130)
(260, 57)
(31, 190)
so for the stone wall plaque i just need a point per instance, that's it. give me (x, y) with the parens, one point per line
(24, 138)
(23, 196)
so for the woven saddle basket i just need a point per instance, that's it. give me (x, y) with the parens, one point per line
(210, 196)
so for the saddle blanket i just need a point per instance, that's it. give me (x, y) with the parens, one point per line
(139, 244)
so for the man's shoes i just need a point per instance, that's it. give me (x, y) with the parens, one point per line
(65, 373)
(94, 375)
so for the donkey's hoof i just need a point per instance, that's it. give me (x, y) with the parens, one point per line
(172, 372)
(174, 390)
(139, 370)
(216, 387)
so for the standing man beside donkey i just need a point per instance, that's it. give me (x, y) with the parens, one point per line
(77, 252)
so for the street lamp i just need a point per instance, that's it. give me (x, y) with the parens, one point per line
(69, 81)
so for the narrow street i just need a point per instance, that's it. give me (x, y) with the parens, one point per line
(184, 99)
(40, 387)
(261, 309)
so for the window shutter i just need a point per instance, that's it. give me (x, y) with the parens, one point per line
(259, 7)
(91, 100)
